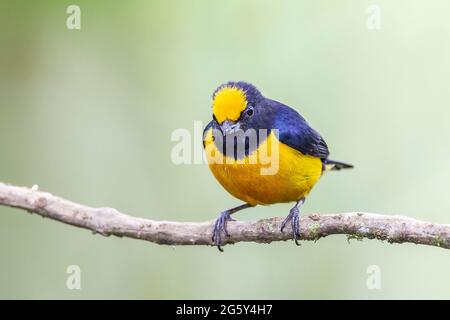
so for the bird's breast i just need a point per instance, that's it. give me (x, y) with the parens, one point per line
(271, 173)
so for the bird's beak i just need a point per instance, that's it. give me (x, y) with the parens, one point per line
(229, 127)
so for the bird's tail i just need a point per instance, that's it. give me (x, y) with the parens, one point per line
(335, 165)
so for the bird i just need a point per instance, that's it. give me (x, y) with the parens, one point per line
(246, 131)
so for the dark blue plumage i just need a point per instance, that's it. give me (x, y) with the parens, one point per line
(297, 133)
(269, 114)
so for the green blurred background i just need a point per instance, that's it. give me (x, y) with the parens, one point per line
(88, 115)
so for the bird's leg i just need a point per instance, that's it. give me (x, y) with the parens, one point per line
(294, 218)
(221, 224)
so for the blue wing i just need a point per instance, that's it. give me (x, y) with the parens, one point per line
(295, 132)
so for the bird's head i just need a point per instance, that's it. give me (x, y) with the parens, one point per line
(236, 105)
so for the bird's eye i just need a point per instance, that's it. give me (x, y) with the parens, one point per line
(250, 111)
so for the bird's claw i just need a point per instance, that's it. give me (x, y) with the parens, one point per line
(294, 218)
(219, 226)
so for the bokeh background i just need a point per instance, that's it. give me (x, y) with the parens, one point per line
(88, 115)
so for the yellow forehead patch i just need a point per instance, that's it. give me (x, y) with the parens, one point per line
(228, 103)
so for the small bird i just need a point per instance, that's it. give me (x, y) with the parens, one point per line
(247, 132)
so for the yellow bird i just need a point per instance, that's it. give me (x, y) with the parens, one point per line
(262, 152)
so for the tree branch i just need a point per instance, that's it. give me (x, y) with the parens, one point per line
(108, 221)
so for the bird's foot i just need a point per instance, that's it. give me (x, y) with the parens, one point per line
(219, 226)
(294, 218)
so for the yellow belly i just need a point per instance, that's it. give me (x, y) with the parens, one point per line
(294, 178)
